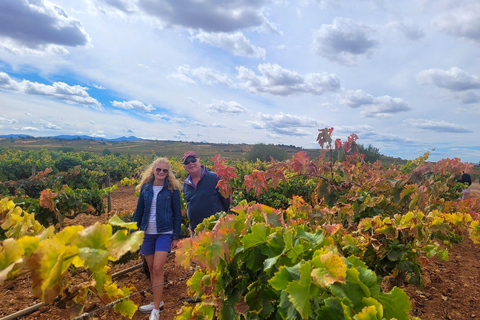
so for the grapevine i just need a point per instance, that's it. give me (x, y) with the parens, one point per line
(48, 256)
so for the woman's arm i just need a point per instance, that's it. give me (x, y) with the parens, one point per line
(137, 216)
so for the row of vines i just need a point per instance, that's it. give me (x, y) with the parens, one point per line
(304, 239)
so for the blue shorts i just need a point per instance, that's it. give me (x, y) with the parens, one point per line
(156, 242)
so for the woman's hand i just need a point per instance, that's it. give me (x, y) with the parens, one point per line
(174, 244)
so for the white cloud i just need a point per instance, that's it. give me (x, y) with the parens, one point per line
(384, 107)
(408, 29)
(226, 107)
(355, 98)
(7, 120)
(285, 124)
(204, 75)
(49, 126)
(454, 79)
(236, 43)
(207, 15)
(132, 104)
(373, 107)
(344, 41)
(436, 125)
(124, 6)
(98, 134)
(276, 80)
(461, 21)
(29, 129)
(38, 24)
(59, 90)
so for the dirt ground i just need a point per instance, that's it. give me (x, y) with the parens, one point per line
(451, 291)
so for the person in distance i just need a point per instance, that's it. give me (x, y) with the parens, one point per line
(158, 214)
(465, 179)
(200, 190)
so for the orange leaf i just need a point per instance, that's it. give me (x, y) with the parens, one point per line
(47, 198)
(256, 181)
(275, 175)
(300, 161)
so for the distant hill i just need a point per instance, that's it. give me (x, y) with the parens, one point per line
(134, 145)
(15, 136)
(71, 137)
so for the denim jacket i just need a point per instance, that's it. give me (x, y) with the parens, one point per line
(169, 215)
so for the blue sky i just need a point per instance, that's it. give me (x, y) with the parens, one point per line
(402, 75)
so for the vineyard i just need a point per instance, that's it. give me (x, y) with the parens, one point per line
(332, 237)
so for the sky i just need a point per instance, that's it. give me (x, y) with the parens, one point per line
(404, 76)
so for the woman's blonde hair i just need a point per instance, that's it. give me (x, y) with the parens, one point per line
(148, 175)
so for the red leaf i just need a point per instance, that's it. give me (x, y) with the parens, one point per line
(256, 181)
(324, 137)
(300, 161)
(275, 175)
(338, 144)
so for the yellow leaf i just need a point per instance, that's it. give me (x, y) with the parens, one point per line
(328, 269)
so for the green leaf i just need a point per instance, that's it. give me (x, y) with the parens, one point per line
(122, 242)
(126, 308)
(378, 306)
(258, 236)
(396, 304)
(95, 259)
(367, 313)
(396, 252)
(270, 262)
(335, 309)
(195, 283)
(314, 238)
(258, 300)
(302, 291)
(118, 222)
(282, 278)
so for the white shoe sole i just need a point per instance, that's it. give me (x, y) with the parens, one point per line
(146, 309)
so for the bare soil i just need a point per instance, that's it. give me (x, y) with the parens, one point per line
(451, 291)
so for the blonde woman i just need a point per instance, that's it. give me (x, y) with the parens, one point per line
(158, 214)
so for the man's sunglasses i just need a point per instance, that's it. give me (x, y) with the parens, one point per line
(158, 170)
(191, 160)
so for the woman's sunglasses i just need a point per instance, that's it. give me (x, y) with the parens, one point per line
(158, 170)
(191, 160)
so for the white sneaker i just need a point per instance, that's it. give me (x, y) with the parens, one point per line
(155, 315)
(149, 307)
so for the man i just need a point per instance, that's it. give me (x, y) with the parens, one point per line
(200, 190)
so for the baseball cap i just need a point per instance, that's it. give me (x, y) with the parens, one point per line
(189, 154)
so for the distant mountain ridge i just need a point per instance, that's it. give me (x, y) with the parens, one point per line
(71, 137)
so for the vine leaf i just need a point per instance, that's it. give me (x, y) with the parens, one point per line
(300, 161)
(211, 251)
(258, 236)
(10, 259)
(118, 222)
(324, 137)
(92, 244)
(225, 173)
(368, 313)
(47, 199)
(256, 180)
(122, 242)
(48, 265)
(329, 268)
(275, 176)
(302, 290)
(396, 304)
